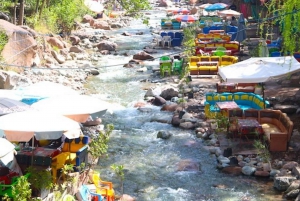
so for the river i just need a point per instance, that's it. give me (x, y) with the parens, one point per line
(150, 163)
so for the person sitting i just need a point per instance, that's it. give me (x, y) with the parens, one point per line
(233, 21)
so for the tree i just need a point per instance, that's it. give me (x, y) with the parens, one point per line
(286, 14)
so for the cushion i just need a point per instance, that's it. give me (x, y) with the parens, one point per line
(270, 128)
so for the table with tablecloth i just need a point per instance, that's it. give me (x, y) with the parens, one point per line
(248, 127)
(41, 156)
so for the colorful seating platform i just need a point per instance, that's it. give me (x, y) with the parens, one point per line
(243, 100)
(207, 65)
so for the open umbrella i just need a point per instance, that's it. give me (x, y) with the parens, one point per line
(23, 126)
(186, 18)
(94, 6)
(216, 6)
(77, 107)
(8, 105)
(6, 151)
(41, 90)
(241, 32)
(205, 5)
(228, 13)
(181, 10)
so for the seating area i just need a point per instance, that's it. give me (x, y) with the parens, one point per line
(243, 101)
(211, 37)
(207, 65)
(210, 20)
(235, 87)
(229, 30)
(74, 151)
(170, 65)
(171, 39)
(275, 126)
(233, 46)
(170, 24)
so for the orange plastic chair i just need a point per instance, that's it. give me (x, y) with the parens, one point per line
(104, 188)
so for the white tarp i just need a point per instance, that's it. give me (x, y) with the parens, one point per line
(259, 69)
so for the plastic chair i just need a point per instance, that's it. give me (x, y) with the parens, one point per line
(163, 34)
(171, 34)
(276, 43)
(58, 163)
(86, 194)
(166, 40)
(177, 66)
(205, 30)
(275, 54)
(104, 188)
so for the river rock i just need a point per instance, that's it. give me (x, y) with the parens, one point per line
(260, 173)
(94, 72)
(169, 107)
(290, 165)
(274, 172)
(143, 56)
(59, 58)
(282, 183)
(169, 93)
(288, 109)
(164, 135)
(187, 125)
(125, 34)
(296, 171)
(76, 49)
(188, 165)
(158, 101)
(294, 185)
(126, 197)
(142, 70)
(128, 65)
(75, 40)
(175, 121)
(101, 25)
(248, 170)
(107, 45)
(88, 19)
(293, 193)
(55, 42)
(233, 170)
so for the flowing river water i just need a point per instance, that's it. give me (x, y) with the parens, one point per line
(150, 163)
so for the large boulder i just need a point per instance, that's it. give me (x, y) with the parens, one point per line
(283, 182)
(55, 42)
(143, 56)
(101, 25)
(169, 93)
(107, 45)
(21, 48)
(88, 19)
(158, 101)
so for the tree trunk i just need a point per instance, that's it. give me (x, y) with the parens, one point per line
(37, 6)
(21, 13)
(42, 7)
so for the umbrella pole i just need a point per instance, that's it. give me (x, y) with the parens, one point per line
(32, 150)
(263, 94)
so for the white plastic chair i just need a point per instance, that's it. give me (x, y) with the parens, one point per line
(204, 53)
(166, 40)
(157, 39)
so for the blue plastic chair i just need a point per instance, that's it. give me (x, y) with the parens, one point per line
(178, 35)
(275, 54)
(205, 30)
(85, 193)
(171, 34)
(163, 34)
(276, 43)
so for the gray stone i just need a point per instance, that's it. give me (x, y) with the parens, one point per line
(76, 49)
(293, 193)
(248, 170)
(164, 135)
(187, 125)
(294, 185)
(289, 109)
(169, 93)
(296, 171)
(282, 183)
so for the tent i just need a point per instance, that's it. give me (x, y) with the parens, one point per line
(259, 69)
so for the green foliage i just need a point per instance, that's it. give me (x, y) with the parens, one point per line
(3, 39)
(40, 179)
(21, 191)
(99, 144)
(132, 7)
(263, 150)
(189, 39)
(119, 171)
(288, 18)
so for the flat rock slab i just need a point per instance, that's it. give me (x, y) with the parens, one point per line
(289, 109)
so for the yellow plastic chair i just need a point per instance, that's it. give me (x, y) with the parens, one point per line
(104, 188)
(58, 163)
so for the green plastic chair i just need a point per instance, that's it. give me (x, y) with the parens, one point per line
(177, 66)
(165, 67)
